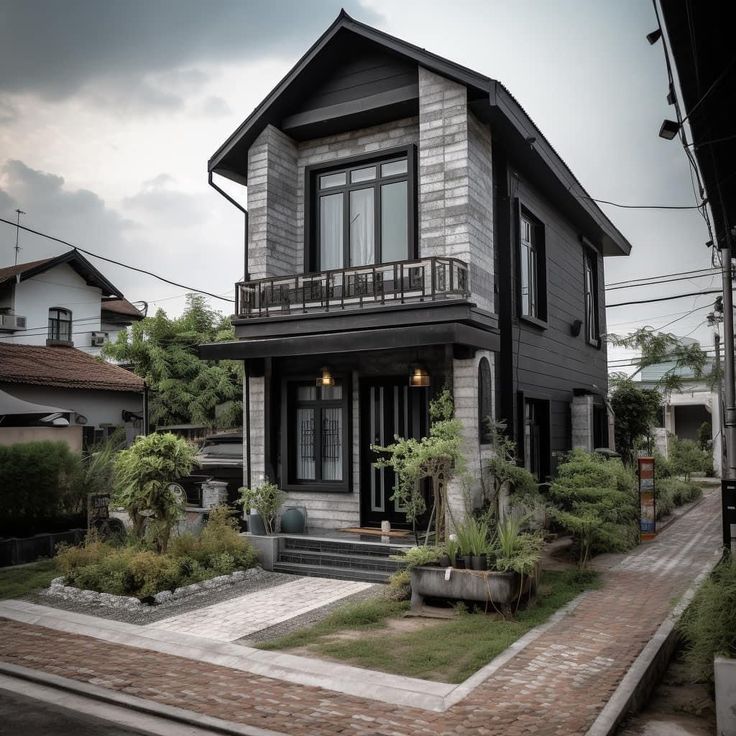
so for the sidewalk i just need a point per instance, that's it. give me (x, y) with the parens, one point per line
(557, 685)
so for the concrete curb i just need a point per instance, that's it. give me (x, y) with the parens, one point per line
(637, 684)
(148, 707)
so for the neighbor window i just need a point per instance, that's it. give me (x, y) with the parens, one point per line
(591, 298)
(533, 300)
(535, 439)
(316, 434)
(362, 213)
(60, 324)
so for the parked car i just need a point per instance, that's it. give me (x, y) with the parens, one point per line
(220, 457)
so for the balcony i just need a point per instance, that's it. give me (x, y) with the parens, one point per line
(402, 282)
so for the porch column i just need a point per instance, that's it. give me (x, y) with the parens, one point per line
(582, 422)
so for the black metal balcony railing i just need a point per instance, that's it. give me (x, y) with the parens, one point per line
(401, 282)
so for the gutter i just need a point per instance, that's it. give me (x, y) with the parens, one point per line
(246, 379)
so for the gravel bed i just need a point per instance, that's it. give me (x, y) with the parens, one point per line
(309, 618)
(149, 614)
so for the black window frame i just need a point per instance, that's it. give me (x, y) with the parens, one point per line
(539, 319)
(485, 401)
(62, 317)
(592, 326)
(289, 405)
(542, 406)
(312, 195)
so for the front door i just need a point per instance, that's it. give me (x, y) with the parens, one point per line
(388, 407)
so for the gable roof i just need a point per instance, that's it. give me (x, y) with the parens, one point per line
(122, 307)
(487, 97)
(74, 259)
(63, 367)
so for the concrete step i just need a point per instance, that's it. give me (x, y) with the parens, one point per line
(339, 559)
(340, 573)
(332, 546)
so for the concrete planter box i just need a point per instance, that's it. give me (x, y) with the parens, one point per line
(266, 547)
(725, 676)
(500, 588)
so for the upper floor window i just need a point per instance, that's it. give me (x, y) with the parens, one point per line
(532, 268)
(363, 213)
(591, 297)
(60, 324)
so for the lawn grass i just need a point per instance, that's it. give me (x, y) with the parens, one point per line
(448, 651)
(22, 579)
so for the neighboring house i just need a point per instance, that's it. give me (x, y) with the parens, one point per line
(61, 300)
(93, 396)
(684, 411)
(409, 228)
(55, 315)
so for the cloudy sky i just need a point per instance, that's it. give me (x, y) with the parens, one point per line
(110, 110)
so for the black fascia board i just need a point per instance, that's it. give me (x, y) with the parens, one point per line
(82, 266)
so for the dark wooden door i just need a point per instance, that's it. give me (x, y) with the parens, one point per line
(388, 407)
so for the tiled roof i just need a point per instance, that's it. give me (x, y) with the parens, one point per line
(10, 271)
(121, 306)
(63, 367)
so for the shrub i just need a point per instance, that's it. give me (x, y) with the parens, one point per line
(36, 479)
(143, 475)
(418, 556)
(595, 500)
(399, 586)
(680, 491)
(265, 500)
(686, 457)
(709, 624)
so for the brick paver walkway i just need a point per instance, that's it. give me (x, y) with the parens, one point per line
(554, 687)
(246, 614)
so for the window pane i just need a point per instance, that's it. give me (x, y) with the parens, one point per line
(332, 443)
(305, 444)
(306, 393)
(524, 263)
(331, 392)
(394, 168)
(332, 180)
(394, 225)
(367, 174)
(330, 232)
(362, 237)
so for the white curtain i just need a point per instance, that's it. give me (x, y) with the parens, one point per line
(330, 231)
(362, 249)
(332, 444)
(305, 444)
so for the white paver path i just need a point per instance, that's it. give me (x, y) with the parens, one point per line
(246, 614)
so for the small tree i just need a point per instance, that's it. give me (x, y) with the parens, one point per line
(635, 410)
(687, 458)
(144, 473)
(265, 499)
(436, 456)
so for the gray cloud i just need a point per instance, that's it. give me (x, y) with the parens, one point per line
(158, 202)
(54, 49)
(76, 215)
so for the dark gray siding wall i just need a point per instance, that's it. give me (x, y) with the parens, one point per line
(549, 363)
(363, 71)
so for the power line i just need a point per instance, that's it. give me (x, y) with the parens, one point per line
(663, 275)
(647, 206)
(117, 263)
(710, 274)
(664, 298)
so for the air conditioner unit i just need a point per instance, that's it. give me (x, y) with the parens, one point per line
(98, 339)
(12, 322)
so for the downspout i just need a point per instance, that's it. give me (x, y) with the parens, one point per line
(246, 378)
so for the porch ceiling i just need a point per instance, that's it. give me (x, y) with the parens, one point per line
(391, 338)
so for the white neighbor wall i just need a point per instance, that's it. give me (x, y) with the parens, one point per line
(62, 287)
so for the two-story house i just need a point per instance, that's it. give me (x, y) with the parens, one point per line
(408, 228)
(55, 315)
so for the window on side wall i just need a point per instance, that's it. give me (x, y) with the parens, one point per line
(60, 325)
(485, 410)
(591, 297)
(532, 268)
(363, 212)
(316, 435)
(535, 436)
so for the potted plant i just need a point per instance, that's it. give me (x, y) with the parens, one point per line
(263, 503)
(472, 537)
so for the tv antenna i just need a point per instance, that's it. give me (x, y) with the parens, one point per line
(17, 233)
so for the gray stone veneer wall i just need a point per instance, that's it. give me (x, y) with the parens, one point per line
(272, 201)
(455, 182)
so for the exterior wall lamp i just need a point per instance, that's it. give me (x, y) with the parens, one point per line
(325, 379)
(419, 377)
(669, 129)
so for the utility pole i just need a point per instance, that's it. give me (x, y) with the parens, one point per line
(728, 391)
(714, 319)
(17, 233)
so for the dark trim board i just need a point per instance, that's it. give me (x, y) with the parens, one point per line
(356, 341)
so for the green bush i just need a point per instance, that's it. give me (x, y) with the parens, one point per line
(595, 500)
(665, 502)
(680, 491)
(687, 457)
(135, 571)
(36, 479)
(709, 624)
